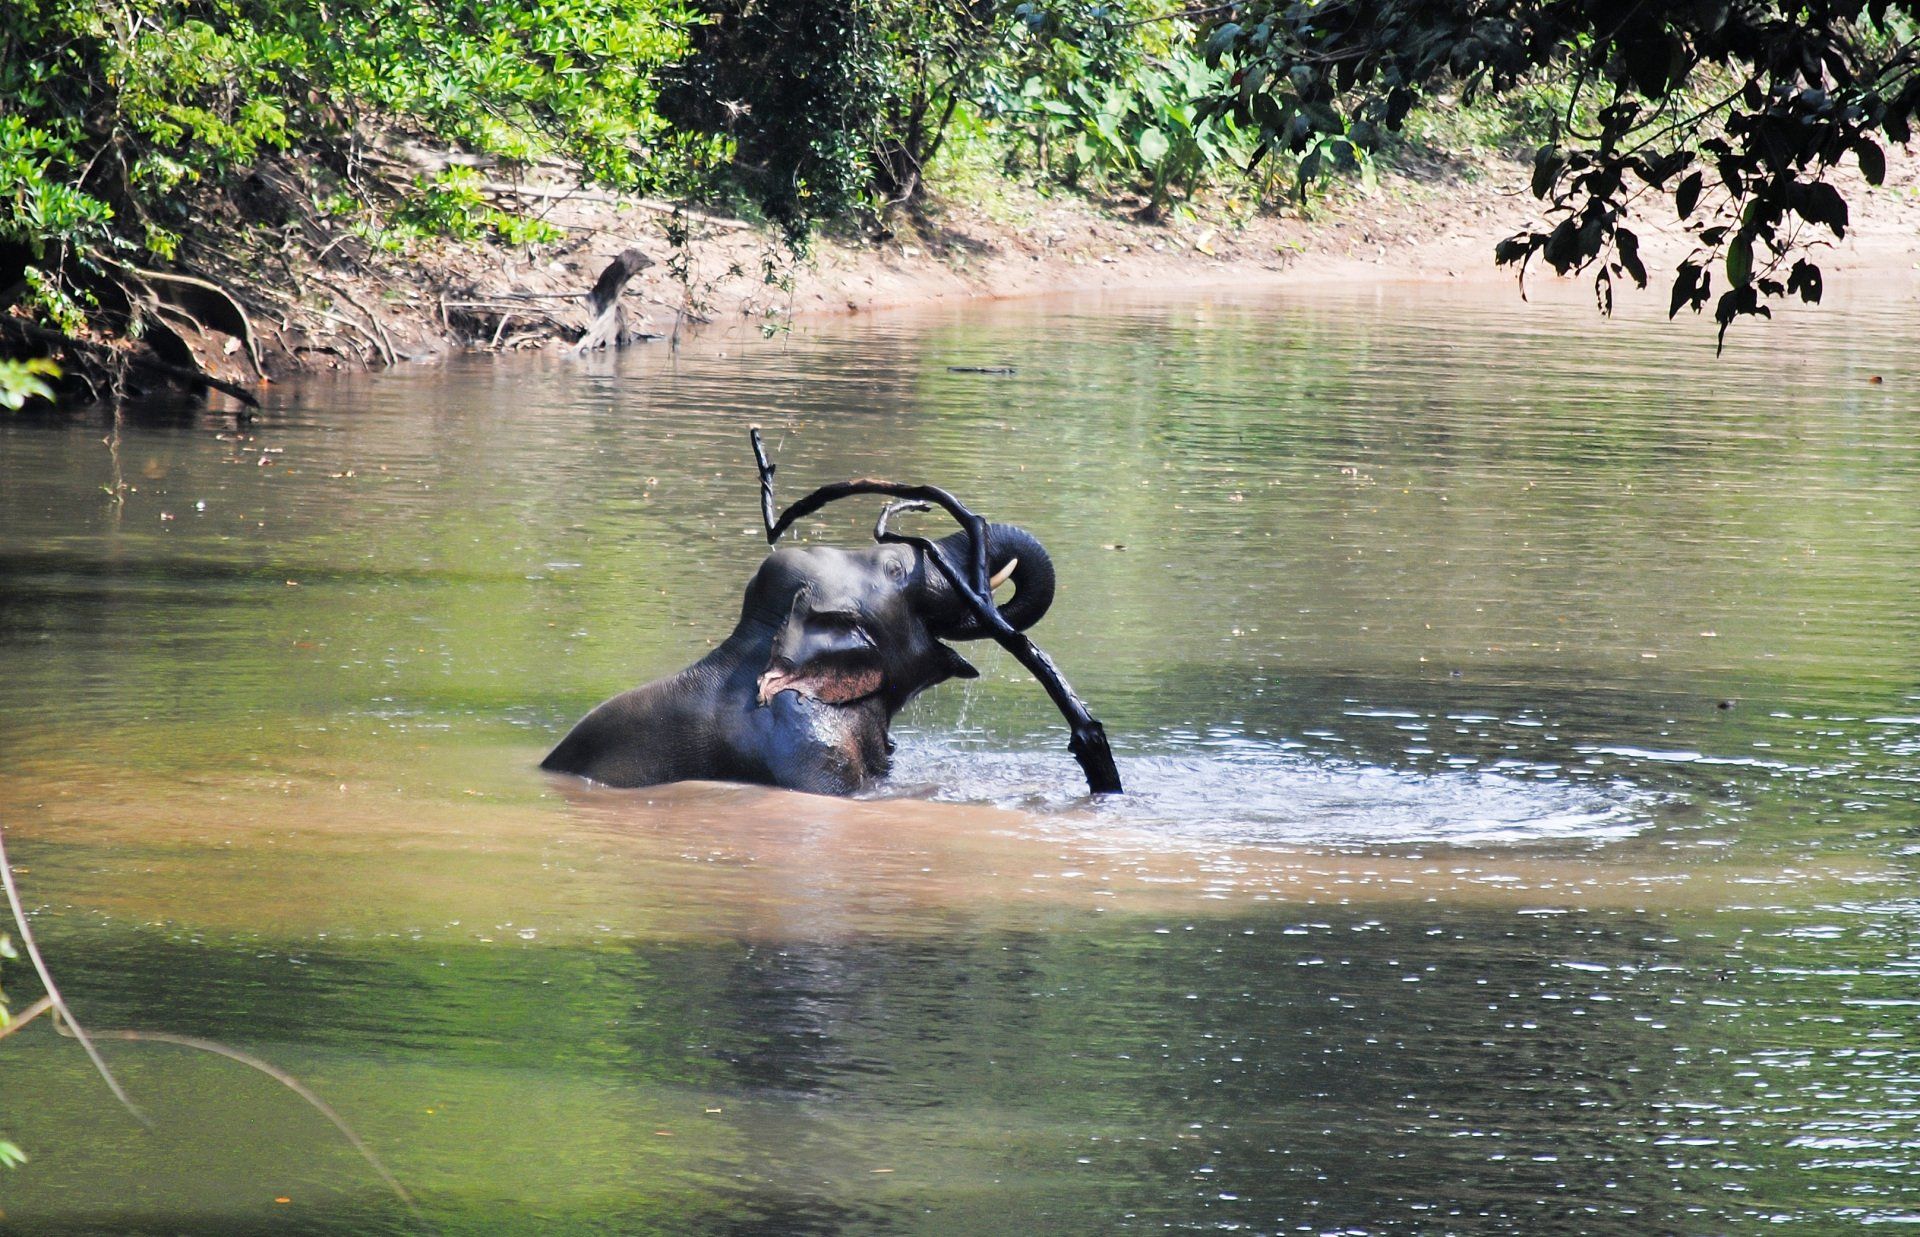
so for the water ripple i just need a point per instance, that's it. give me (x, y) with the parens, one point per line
(1248, 792)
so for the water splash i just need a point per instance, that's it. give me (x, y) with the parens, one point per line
(1249, 791)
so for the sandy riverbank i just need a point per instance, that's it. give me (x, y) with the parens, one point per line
(325, 300)
(1432, 221)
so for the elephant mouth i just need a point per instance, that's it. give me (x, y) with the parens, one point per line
(824, 653)
(837, 680)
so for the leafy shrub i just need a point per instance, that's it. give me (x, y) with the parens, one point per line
(452, 204)
(1107, 96)
(795, 87)
(1808, 88)
(837, 106)
(111, 109)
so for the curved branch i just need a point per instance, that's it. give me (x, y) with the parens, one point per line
(219, 294)
(1089, 743)
(64, 1023)
(930, 495)
(59, 1004)
(284, 1079)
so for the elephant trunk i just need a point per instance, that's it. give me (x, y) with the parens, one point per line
(1033, 580)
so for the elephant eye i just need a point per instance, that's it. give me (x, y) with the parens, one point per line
(896, 569)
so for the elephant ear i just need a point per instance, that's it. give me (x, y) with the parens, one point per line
(826, 654)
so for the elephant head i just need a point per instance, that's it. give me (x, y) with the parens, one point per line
(830, 644)
(850, 624)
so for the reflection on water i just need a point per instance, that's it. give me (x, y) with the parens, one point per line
(1520, 721)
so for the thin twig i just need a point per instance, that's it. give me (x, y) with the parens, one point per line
(614, 199)
(364, 333)
(1211, 10)
(290, 1083)
(21, 1019)
(53, 990)
(65, 1023)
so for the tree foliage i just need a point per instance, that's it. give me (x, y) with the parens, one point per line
(117, 117)
(1796, 89)
(1104, 97)
(113, 112)
(20, 381)
(837, 106)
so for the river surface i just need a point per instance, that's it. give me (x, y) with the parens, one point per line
(1520, 714)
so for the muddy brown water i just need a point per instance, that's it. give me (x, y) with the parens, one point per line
(1520, 715)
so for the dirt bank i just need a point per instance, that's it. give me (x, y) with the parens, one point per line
(313, 294)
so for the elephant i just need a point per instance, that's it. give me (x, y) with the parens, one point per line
(831, 643)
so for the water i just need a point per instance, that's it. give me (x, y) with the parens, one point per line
(1520, 714)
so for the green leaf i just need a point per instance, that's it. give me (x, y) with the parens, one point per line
(1821, 203)
(1627, 245)
(1740, 261)
(1222, 39)
(1153, 146)
(1805, 279)
(1688, 288)
(1512, 249)
(21, 381)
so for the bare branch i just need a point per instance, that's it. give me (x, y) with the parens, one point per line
(1089, 743)
(61, 1011)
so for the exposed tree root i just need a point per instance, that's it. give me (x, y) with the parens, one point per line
(208, 306)
(111, 372)
(151, 331)
(270, 278)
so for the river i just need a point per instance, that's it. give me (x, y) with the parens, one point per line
(1520, 714)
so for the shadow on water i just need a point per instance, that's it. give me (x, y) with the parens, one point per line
(1396, 1067)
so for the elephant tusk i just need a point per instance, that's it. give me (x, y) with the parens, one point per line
(1001, 576)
